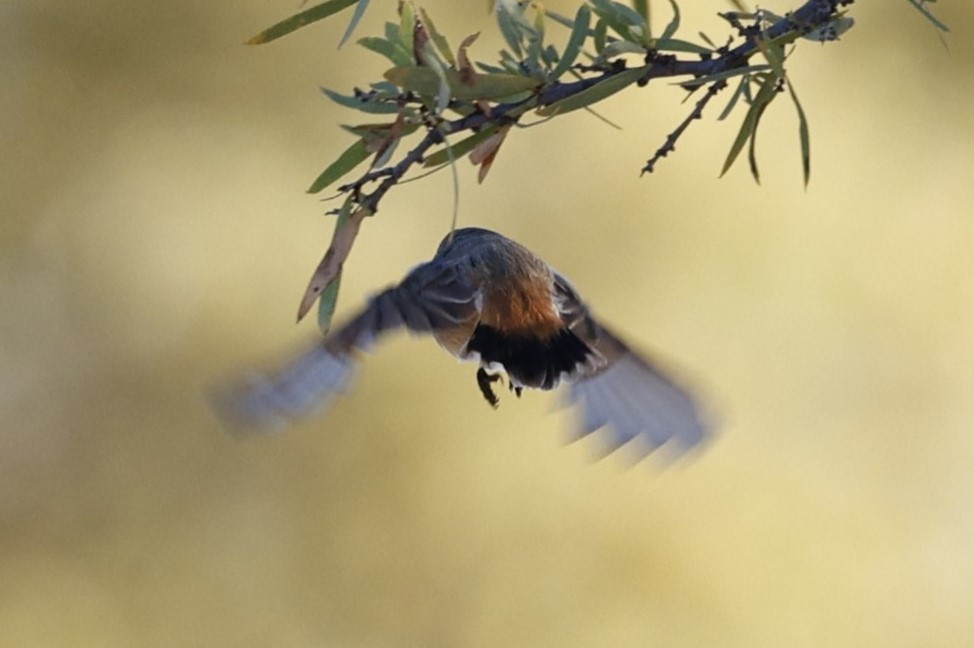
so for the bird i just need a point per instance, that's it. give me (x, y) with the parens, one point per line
(487, 299)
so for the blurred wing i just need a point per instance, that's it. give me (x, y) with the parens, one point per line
(434, 296)
(627, 395)
(431, 297)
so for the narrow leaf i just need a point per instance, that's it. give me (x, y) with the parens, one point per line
(331, 264)
(438, 39)
(353, 23)
(329, 295)
(327, 303)
(803, 136)
(392, 50)
(575, 41)
(738, 93)
(674, 24)
(459, 149)
(351, 158)
(359, 104)
(677, 45)
(920, 6)
(752, 159)
(297, 21)
(764, 96)
(509, 29)
(726, 74)
(485, 153)
(407, 27)
(425, 81)
(642, 7)
(596, 93)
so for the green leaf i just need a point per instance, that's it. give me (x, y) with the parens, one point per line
(920, 6)
(438, 39)
(726, 74)
(425, 81)
(677, 45)
(358, 104)
(348, 160)
(764, 96)
(356, 17)
(297, 21)
(407, 27)
(575, 41)
(600, 35)
(327, 303)
(596, 93)
(618, 47)
(673, 24)
(803, 136)
(738, 93)
(329, 296)
(642, 8)
(509, 29)
(774, 53)
(392, 50)
(752, 159)
(623, 20)
(459, 149)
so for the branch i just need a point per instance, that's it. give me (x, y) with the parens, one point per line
(428, 80)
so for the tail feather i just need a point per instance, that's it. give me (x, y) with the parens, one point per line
(533, 361)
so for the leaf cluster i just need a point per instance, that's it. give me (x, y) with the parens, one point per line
(451, 105)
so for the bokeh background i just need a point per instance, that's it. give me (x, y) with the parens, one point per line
(156, 237)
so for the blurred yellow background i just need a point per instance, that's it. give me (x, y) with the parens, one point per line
(156, 237)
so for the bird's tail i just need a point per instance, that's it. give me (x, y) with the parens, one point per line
(532, 361)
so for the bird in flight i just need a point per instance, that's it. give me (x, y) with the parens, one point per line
(487, 299)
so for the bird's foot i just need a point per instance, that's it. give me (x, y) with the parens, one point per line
(484, 381)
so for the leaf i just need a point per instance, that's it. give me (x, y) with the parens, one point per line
(803, 136)
(348, 160)
(575, 41)
(331, 264)
(677, 45)
(738, 93)
(356, 17)
(726, 74)
(509, 29)
(774, 53)
(358, 104)
(600, 35)
(407, 27)
(425, 81)
(764, 96)
(674, 24)
(624, 21)
(642, 7)
(920, 6)
(459, 149)
(392, 50)
(752, 159)
(438, 39)
(297, 21)
(464, 68)
(327, 303)
(485, 153)
(595, 93)
(617, 47)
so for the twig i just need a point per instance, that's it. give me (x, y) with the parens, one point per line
(670, 144)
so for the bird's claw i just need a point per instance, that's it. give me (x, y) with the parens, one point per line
(484, 381)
